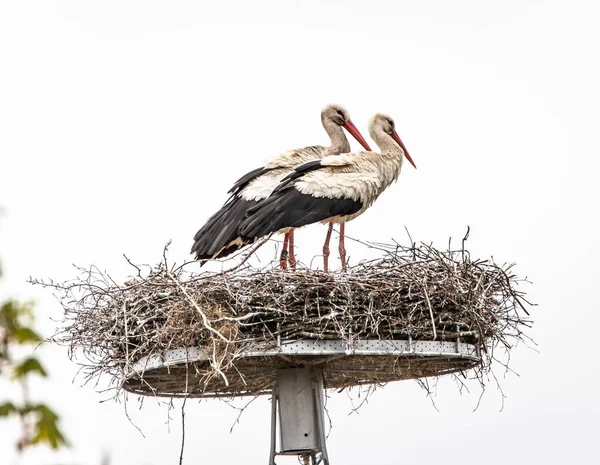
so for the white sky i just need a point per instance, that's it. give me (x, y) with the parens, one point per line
(123, 124)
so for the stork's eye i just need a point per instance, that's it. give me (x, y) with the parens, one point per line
(391, 122)
(339, 112)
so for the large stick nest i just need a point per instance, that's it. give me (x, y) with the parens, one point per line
(415, 293)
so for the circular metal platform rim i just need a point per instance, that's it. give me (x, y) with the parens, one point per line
(318, 349)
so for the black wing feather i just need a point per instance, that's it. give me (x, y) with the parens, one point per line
(214, 239)
(300, 171)
(289, 208)
(245, 179)
(288, 182)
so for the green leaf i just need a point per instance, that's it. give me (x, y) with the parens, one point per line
(29, 365)
(46, 428)
(8, 315)
(24, 335)
(7, 408)
(11, 313)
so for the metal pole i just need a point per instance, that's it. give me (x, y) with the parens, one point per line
(320, 409)
(298, 403)
(273, 426)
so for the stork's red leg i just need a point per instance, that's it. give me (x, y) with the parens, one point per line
(326, 248)
(284, 252)
(291, 255)
(342, 247)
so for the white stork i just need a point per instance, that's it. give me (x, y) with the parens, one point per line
(219, 236)
(332, 190)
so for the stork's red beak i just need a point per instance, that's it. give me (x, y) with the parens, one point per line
(401, 144)
(349, 125)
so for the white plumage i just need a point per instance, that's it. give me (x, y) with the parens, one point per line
(335, 189)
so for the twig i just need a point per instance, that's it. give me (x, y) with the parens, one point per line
(430, 309)
(200, 312)
(126, 336)
(183, 412)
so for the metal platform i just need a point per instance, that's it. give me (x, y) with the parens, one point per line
(185, 372)
(295, 374)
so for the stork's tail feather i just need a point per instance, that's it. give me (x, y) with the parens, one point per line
(219, 236)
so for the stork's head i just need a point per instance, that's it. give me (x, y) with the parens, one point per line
(385, 123)
(337, 114)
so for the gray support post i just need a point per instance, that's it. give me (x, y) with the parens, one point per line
(273, 426)
(320, 412)
(298, 396)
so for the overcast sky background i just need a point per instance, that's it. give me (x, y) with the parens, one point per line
(123, 124)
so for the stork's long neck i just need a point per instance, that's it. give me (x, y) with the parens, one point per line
(387, 145)
(339, 141)
(391, 155)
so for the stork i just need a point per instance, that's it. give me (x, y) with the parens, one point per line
(219, 236)
(334, 189)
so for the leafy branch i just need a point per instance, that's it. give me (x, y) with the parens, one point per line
(39, 423)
